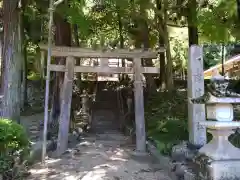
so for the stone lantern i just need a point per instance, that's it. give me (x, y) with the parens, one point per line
(223, 160)
(84, 101)
(84, 112)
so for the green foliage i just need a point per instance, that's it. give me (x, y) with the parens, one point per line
(212, 55)
(14, 149)
(34, 76)
(218, 22)
(166, 119)
(179, 55)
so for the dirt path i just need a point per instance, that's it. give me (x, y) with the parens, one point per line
(100, 157)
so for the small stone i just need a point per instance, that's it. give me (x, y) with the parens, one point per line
(180, 169)
(179, 151)
(189, 175)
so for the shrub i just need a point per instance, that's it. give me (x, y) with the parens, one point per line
(166, 119)
(14, 149)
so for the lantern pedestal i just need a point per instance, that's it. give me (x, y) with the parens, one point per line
(219, 159)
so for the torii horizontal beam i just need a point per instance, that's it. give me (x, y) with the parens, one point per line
(61, 51)
(113, 70)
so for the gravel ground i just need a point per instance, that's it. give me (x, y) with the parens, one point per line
(107, 156)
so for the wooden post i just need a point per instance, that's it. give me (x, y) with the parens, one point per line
(139, 108)
(64, 120)
(196, 112)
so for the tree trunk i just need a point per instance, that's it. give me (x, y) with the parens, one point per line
(24, 100)
(11, 61)
(25, 76)
(62, 38)
(121, 39)
(161, 44)
(192, 23)
(169, 73)
(162, 65)
(151, 85)
(1, 55)
(77, 44)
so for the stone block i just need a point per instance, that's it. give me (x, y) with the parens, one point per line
(180, 170)
(183, 152)
(209, 169)
(224, 170)
(189, 175)
(179, 151)
(220, 112)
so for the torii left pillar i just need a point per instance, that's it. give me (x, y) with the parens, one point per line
(64, 120)
(139, 108)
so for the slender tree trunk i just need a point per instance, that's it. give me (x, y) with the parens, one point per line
(161, 44)
(24, 100)
(11, 61)
(120, 26)
(24, 55)
(162, 65)
(238, 9)
(120, 30)
(25, 76)
(77, 43)
(1, 55)
(169, 73)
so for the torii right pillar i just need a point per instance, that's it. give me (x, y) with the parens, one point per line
(139, 108)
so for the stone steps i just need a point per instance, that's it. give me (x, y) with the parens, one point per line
(105, 111)
(32, 126)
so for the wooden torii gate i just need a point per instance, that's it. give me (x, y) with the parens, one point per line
(71, 53)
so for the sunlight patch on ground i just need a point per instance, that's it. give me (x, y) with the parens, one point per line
(118, 159)
(94, 175)
(51, 161)
(98, 158)
(39, 171)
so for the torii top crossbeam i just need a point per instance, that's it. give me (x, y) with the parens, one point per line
(61, 51)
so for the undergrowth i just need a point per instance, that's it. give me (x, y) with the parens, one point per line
(166, 119)
(14, 150)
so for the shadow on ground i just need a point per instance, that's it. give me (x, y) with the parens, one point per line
(105, 156)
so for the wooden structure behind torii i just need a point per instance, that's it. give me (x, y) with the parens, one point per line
(71, 53)
(231, 66)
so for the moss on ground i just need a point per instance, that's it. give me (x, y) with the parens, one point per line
(167, 120)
